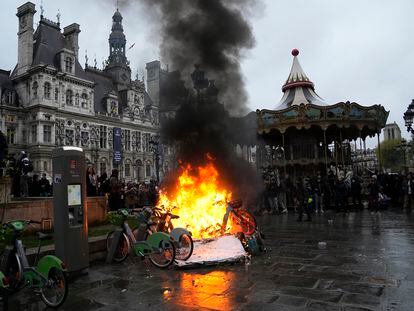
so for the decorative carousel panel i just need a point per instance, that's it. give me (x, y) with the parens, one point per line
(270, 119)
(356, 113)
(290, 114)
(335, 113)
(313, 114)
(372, 113)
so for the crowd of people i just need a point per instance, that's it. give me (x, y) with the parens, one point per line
(119, 193)
(341, 191)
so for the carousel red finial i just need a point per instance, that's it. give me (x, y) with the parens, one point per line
(295, 52)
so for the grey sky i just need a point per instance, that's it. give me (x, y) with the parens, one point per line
(356, 50)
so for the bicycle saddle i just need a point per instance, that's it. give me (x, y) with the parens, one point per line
(174, 216)
(44, 236)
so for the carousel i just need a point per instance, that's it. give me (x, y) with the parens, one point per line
(304, 135)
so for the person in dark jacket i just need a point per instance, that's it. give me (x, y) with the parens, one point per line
(115, 191)
(373, 190)
(306, 203)
(341, 197)
(356, 192)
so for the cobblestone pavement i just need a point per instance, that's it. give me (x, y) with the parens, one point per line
(368, 264)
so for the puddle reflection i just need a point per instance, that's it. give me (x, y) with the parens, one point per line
(209, 290)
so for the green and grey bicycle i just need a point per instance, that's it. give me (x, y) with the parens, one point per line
(46, 277)
(158, 247)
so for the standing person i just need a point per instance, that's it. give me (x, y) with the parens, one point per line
(114, 191)
(273, 196)
(356, 193)
(317, 193)
(306, 202)
(103, 184)
(91, 182)
(143, 199)
(408, 186)
(341, 197)
(281, 196)
(374, 190)
(44, 186)
(34, 189)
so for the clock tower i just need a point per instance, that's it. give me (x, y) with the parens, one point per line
(25, 15)
(117, 64)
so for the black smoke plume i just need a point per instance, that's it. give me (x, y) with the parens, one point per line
(212, 33)
(215, 34)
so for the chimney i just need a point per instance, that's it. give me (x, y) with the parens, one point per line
(25, 14)
(71, 34)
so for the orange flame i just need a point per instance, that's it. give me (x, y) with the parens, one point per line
(199, 198)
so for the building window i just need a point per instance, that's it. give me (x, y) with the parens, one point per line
(84, 138)
(34, 133)
(69, 98)
(68, 64)
(148, 170)
(47, 89)
(11, 135)
(393, 133)
(24, 133)
(56, 94)
(103, 136)
(102, 167)
(34, 89)
(138, 141)
(84, 100)
(127, 140)
(146, 142)
(47, 133)
(127, 170)
(9, 98)
(45, 166)
(69, 135)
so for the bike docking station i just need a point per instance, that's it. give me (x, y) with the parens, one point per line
(70, 210)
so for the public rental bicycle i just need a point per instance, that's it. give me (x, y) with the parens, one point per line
(46, 277)
(239, 217)
(158, 246)
(182, 237)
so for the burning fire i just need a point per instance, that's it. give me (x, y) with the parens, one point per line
(199, 198)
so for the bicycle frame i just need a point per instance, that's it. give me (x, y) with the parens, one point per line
(33, 276)
(149, 246)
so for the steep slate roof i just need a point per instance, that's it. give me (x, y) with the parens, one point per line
(103, 86)
(48, 41)
(298, 88)
(5, 81)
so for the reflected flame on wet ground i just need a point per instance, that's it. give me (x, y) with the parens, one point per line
(207, 290)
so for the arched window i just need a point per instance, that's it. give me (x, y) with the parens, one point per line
(148, 169)
(56, 94)
(68, 64)
(84, 100)
(9, 98)
(69, 98)
(46, 90)
(34, 89)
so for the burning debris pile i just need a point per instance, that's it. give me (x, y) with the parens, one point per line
(200, 200)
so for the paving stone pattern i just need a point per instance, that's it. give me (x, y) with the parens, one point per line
(368, 264)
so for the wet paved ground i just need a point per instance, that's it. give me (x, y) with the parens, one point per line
(368, 264)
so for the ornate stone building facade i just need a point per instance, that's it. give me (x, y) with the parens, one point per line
(49, 100)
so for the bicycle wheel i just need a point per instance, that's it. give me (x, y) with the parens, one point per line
(247, 222)
(164, 256)
(13, 271)
(185, 247)
(122, 251)
(55, 291)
